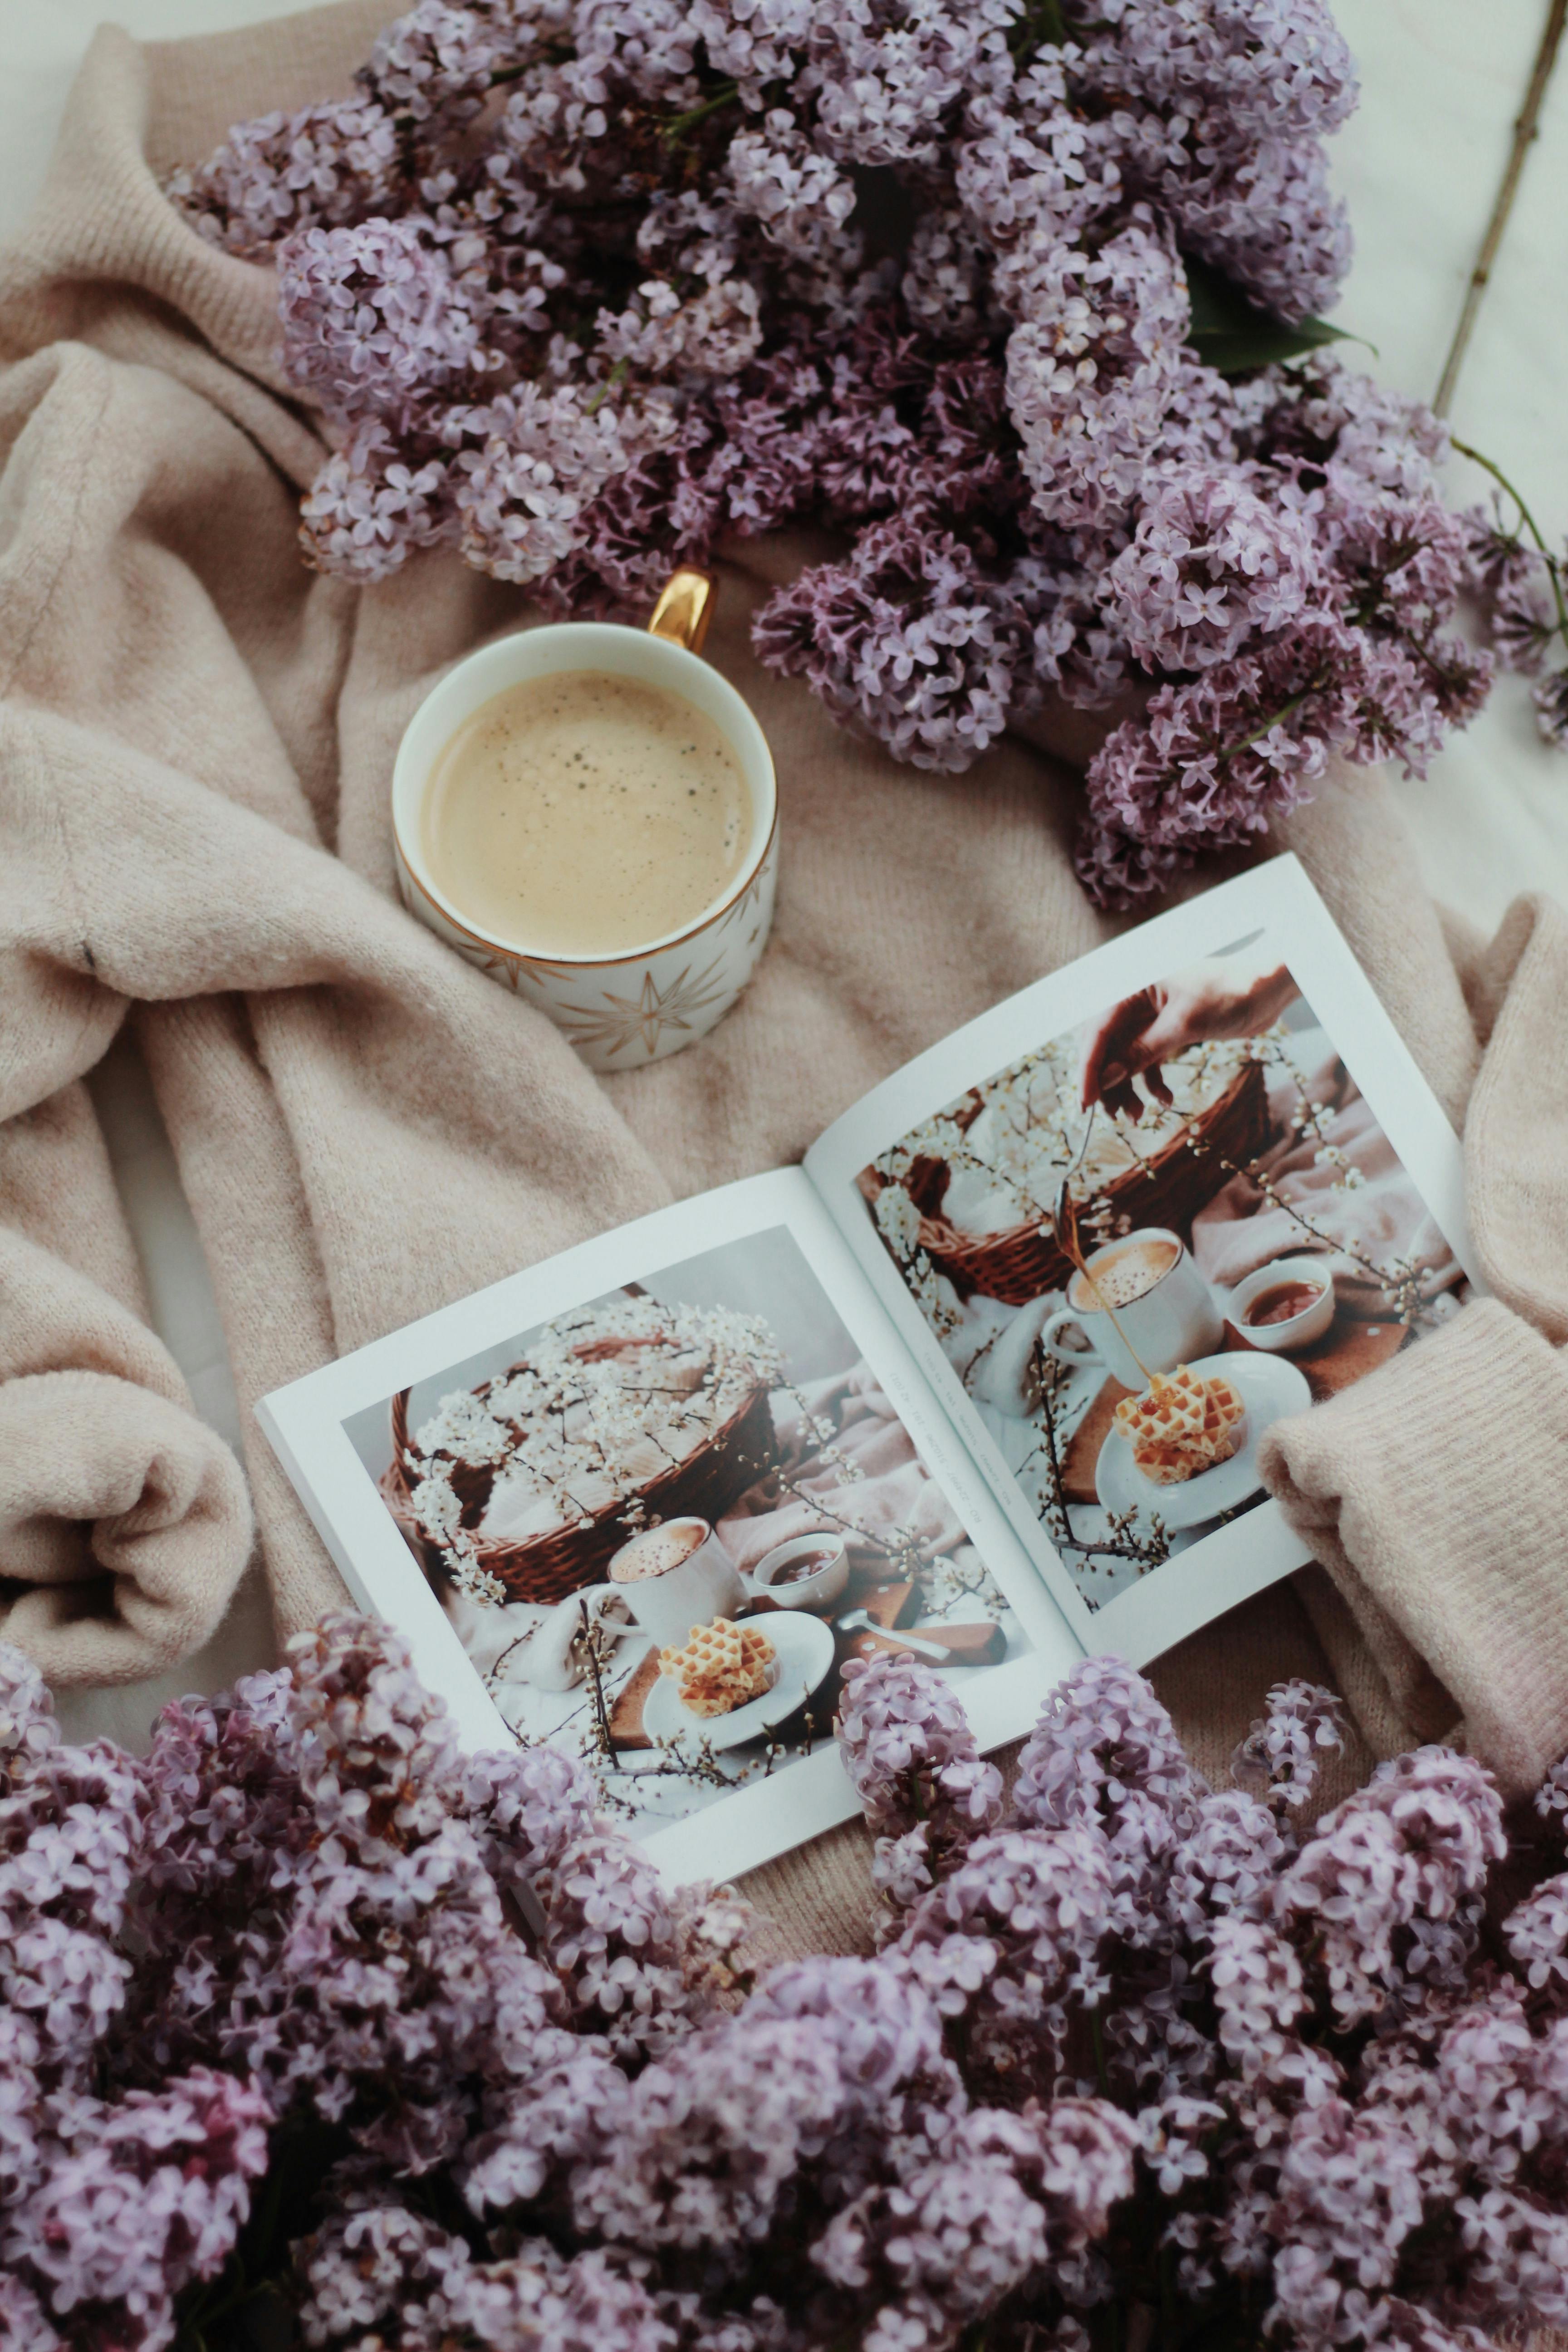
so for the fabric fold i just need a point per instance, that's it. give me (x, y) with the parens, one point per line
(1433, 1493)
(125, 1522)
(125, 1527)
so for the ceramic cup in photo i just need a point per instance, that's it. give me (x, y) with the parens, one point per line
(1276, 1287)
(806, 1572)
(1164, 1307)
(675, 1576)
(623, 1010)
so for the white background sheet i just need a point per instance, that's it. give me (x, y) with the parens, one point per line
(1442, 83)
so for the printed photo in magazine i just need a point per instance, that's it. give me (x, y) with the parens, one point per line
(658, 1520)
(1169, 1217)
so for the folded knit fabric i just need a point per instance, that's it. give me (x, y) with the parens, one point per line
(1435, 1492)
(125, 1524)
(195, 741)
(125, 1520)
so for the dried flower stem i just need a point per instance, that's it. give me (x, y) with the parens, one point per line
(1526, 130)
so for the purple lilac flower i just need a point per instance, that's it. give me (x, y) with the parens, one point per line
(1215, 759)
(1090, 369)
(27, 1726)
(1511, 582)
(1416, 1839)
(707, 2141)
(1270, 221)
(151, 2196)
(1550, 696)
(375, 320)
(931, 2253)
(1211, 568)
(1227, 1863)
(533, 464)
(914, 1765)
(435, 66)
(554, 2116)
(753, 42)
(908, 641)
(1282, 1753)
(612, 1937)
(945, 287)
(357, 2269)
(1035, 173)
(527, 1809)
(799, 197)
(1259, 1992)
(1349, 2197)
(1327, 2104)
(319, 167)
(1010, 1942)
(883, 2031)
(373, 503)
(1102, 1735)
(884, 82)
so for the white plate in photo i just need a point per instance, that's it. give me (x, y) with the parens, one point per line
(803, 1647)
(1269, 1386)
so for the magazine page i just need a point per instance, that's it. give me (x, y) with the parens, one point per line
(645, 1500)
(1132, 1216)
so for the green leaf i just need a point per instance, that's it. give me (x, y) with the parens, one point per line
(1233, 336)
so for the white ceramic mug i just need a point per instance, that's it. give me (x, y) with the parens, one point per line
(618, 1010)
(1173, 1322)
(704, 1585)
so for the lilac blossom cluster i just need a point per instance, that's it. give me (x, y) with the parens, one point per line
(1006, 291)
(319, 2031)
(1520, 585)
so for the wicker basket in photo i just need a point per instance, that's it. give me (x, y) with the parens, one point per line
(546, 1568)
(1169, 1189)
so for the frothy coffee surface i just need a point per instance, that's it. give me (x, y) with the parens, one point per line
(1119, 1280)
(584, 815)
(654, 1553)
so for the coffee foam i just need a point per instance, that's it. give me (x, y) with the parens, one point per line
(655, 1552)
(1118, 1281)
(584, 814)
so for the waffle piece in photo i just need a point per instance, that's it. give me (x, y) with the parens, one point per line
(1181, 1424)
(720, 1668)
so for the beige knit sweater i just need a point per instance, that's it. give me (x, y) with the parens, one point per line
(195, 741)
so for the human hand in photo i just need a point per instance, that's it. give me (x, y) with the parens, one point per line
(1205, 1003)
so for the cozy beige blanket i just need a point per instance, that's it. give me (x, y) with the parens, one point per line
(196, 740)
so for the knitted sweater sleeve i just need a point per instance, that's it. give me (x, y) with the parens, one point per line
(1435, 1491)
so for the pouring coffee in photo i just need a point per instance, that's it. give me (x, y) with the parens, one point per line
(1141, 1305)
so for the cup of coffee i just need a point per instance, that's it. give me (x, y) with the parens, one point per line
(675, 1576)
(1162, 1306)
(589, 814)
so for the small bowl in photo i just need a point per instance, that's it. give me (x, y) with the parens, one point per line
(1285, 1305)
(806, 1572)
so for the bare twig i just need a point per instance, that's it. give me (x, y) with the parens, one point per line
(1144, 1552)
(1525, 130)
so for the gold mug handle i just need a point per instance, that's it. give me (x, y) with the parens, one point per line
(685, 608)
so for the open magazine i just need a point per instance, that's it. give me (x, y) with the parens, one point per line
(982, 1381)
